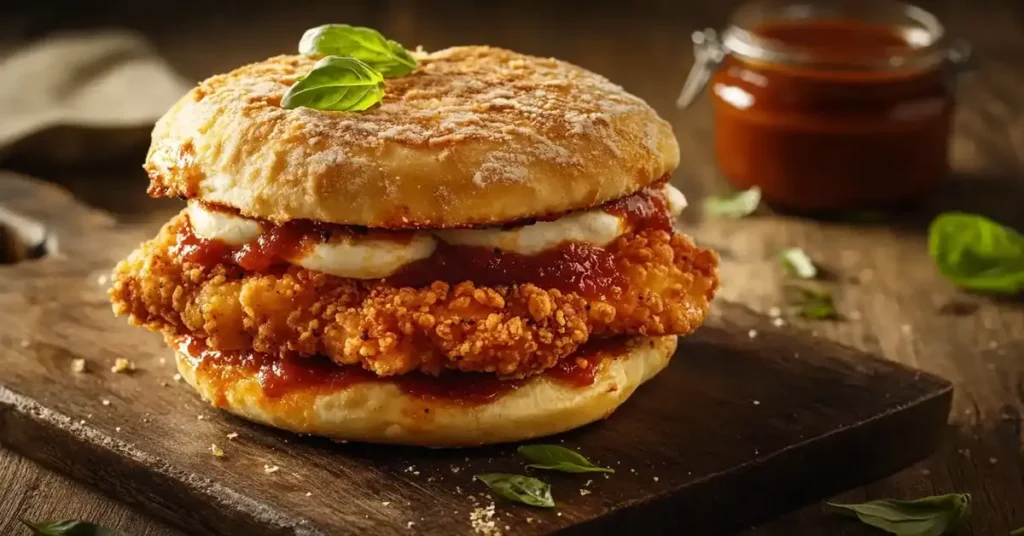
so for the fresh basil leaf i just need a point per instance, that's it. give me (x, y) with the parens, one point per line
(735, 206)
(556, 458)
(519, 488)
(976, 253)
(798, 263)
(812, 303)
(68, 527)
(364, 44)
(929, 516)
(336, 84)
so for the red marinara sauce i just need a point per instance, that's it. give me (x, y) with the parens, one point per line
(833, 106)
(588, 270)
(279, 376)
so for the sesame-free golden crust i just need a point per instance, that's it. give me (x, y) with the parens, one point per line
(380, 412)
(474, 136)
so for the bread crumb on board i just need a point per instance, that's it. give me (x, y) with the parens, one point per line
(78, 365)
(482, 521)
(217, 451)
(122, 365)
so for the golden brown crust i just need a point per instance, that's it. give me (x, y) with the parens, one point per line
(512, 330)
(380, 412)
(474, 136)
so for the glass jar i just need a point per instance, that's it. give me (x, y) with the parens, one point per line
(835, 105)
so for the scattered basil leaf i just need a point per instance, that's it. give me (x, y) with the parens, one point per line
(557, 458)
(812, 303)
(798, 263)
(735, 206)
(337, 84)
(976, 253)
(364, 44)
(519, 488)
(68, 527)
(929, 516)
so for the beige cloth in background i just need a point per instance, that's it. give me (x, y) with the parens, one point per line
(77, 97)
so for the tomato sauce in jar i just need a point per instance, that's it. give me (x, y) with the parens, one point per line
(833, 109)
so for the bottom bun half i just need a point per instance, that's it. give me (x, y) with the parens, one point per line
(381, 412)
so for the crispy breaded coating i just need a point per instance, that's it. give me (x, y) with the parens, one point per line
(513, 330)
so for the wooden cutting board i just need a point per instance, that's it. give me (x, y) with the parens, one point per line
(736, 429)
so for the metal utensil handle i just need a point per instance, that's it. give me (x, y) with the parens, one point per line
(708, 54)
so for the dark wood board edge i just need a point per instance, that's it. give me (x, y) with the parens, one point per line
(126, 474)
(116, 469)
(913, 431)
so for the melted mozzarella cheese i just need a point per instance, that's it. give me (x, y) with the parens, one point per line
(358, 257)
(344, 256)
(366, 258)
(674, 200)
(595, 227)
(229, 228)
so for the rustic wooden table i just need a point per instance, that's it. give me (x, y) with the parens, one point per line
(887, 290)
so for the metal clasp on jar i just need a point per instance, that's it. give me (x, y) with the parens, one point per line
(708, 54)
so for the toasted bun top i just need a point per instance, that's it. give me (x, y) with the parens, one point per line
(474, 136)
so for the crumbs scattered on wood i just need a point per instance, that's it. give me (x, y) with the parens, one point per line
(584, 492)
(752, 334)
(410, 524)
(105, 402)
(757, 402)
(589, 482)
(122, 365)
(102, 280)
(482, 521)
(163, 361)
(774, 311)
(655, 479)
(385, 503)
(778, 322)
(309, 494)
(78, 365)
(217, 451)
(199, 417)
(177, 377)
(993, 461)
(232, 435)
(270, 468)
(117, 428)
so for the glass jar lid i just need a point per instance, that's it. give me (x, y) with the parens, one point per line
(749, 36)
